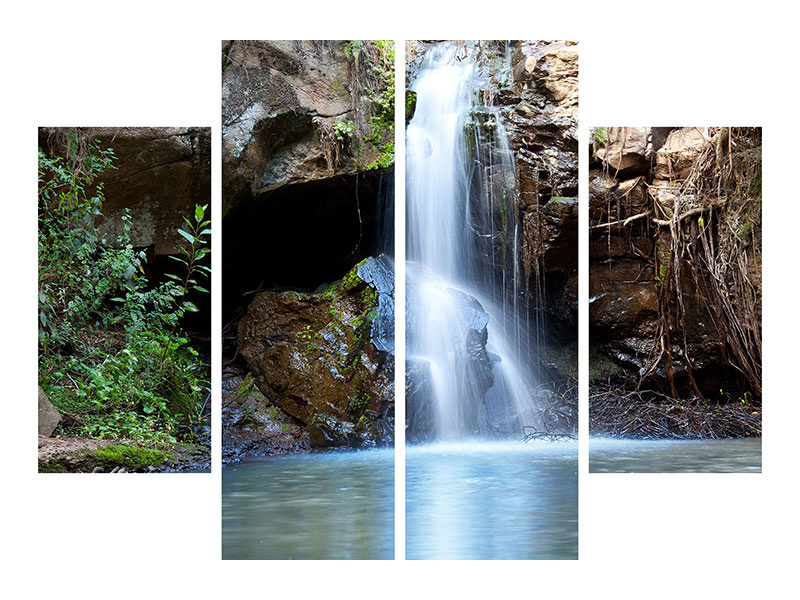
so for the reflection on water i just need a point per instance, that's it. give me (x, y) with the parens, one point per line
(674, 456)
(315, 506)
(492, 501)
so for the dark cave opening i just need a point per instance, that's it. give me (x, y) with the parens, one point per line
(304, 236)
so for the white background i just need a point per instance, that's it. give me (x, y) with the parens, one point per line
(158, 64)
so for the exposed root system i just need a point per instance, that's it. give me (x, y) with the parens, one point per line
(647, 414)
(531, 435)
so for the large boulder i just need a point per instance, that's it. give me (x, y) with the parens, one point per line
(675, 159)
(625, 151)
(322, 357)
(49, 417)
(460, 329)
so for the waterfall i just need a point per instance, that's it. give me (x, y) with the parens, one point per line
(466, 340)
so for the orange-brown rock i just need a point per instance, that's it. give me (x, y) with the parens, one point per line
(314, 356)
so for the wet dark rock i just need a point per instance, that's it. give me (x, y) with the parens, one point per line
(472, 360)
(540, 108)
(330, 431)
(554, 228)
(420, 417)
(378, 272)
(252, 426)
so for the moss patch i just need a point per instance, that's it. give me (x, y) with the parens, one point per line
(130, 457)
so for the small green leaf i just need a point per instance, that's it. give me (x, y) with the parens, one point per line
(190, 307)
(188, 236)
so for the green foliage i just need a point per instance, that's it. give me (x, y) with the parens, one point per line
(111, 359)
(352, 49)
(599, 135)
(411, 104)
(661, 276)
(343, 130)
(364, 421)
(379, 93)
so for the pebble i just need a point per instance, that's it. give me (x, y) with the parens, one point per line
(97, 470)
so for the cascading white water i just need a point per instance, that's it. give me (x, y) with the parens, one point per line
(455, 304)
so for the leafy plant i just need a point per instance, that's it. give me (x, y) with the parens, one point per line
(111, 358)
(599, 135)
(343, 130)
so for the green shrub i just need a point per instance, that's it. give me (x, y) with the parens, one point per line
(111, 357)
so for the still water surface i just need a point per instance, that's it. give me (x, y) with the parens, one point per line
(331, 505)
(503, 500)
(674, 456)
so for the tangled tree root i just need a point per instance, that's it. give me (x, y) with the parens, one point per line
(648, 414)
(530, 435)
(559, 415)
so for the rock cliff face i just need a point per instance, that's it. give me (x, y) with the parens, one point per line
(161, 174)
(541, 107)
(669, 225)
(271, 93)
(293, 112)
(307, 200)
(537, 98)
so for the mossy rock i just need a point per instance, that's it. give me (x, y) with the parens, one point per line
(130, 457)
(317, 356)
(110, 455)
(601, 367)
(562, 359)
